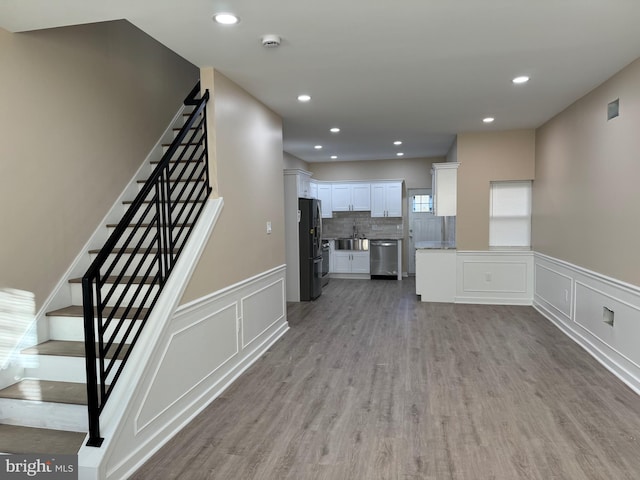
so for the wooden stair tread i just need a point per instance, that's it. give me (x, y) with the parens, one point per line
(77, 311)
(23, 440)
(145, 225)
(178, 181)
(192, 160)
(129, 202)
(183, 144)
(67, 348)
(47, 391)
(142, 250)
(125, 279)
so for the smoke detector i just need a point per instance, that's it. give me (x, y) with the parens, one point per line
(271, 41)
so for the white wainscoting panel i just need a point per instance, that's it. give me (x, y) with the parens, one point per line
(261, 310)
(194, 353)
(554, 289)
(501, 277)
(198, 355)
(577, 301)
(624, 335)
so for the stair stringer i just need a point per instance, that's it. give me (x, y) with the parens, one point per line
(60, 296)
(91, 460)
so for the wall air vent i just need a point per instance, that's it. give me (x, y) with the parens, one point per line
(613, 109)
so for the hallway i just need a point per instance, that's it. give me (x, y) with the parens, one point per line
(369, 383)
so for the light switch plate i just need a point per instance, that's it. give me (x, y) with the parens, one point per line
(268, 228)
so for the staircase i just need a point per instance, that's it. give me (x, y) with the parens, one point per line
(46, 410)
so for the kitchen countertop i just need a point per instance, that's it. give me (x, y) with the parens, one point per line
(371, 237)
(435, 245)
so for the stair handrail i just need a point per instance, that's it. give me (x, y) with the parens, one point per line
(157, 202)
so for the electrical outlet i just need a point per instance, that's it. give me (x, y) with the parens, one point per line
(487, 276)
(268, 228)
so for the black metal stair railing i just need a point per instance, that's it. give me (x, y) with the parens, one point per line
(125, 280)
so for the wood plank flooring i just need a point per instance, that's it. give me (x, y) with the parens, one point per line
(369, 384)
(16, 439)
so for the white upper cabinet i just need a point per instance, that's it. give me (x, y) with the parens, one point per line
(361, 197)
(386, 199)
(304, 185)
(313, 189)
(341, 197)
(324, 195)
(445, 188)
(351, 197)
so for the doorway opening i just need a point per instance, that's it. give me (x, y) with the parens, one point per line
(423, 224)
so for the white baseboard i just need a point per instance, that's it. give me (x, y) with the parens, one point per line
(351, 276)
(575, 299)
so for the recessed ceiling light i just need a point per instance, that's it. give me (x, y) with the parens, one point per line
(400, 154)
(334, 130)
(304, 98)
(397, 142)
(488, 120)
(521, 79)
(318, 147)
(334, 157)
(225, 18)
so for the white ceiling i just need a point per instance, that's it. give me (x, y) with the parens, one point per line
(415, 70)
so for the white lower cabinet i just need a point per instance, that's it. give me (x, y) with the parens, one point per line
(349, 261)
(436, 275)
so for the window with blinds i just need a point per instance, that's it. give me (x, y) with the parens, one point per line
(510, 214)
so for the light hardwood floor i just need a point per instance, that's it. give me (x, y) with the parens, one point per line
(369, 383)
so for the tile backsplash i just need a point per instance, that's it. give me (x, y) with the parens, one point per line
(344, 224)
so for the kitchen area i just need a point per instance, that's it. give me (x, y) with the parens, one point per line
(353, 230)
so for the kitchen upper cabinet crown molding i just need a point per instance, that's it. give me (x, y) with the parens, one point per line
(303, 180)
(445, 188)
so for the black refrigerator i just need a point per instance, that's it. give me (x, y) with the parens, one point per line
(310, 236)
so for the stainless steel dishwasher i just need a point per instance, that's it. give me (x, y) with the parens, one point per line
(383, 257)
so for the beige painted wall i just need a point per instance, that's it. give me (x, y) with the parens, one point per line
(292, 162)
(415, 171)
(249, 168)
(81, 108)
(486, 157)
(452, 154)
(586, 194)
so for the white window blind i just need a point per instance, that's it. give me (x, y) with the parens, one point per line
(510, 214)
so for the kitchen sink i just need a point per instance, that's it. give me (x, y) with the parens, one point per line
(352, 244)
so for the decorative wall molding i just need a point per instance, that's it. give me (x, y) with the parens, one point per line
(117, 414)
(204, 348)
(501, 277)
(599, 313)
